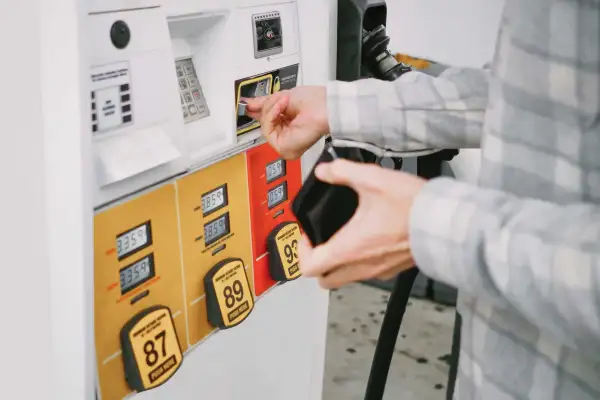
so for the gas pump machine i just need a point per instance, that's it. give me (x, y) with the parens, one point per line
(195, 273)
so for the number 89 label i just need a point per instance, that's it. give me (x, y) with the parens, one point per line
(232, 293)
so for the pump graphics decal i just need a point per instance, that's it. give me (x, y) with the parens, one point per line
(262, 85)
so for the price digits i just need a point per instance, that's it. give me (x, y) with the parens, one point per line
(131, 240)
(132, 274)
(215, 228)
(213, 200)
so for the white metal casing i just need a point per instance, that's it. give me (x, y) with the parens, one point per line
(149, 149)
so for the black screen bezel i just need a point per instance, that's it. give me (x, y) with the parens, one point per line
(225, 199)
(284, 199)
(152, 274)
(148, 243)
(219, 237)
(283, 170)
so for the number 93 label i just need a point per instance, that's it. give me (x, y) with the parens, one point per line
(229, 298)
(282, 244)
(151, 351)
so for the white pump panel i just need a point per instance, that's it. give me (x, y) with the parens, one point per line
(134, 104)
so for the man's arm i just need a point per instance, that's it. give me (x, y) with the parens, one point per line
(417, 111)
(540, 258)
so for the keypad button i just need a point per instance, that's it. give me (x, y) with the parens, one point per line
(196, 93)
(193, 81)
(183, 84)
(189, 69)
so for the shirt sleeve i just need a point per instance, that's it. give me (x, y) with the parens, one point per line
(414, 112)
(539, 258)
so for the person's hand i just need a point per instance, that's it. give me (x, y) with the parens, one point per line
(291, 120)
(374, 243)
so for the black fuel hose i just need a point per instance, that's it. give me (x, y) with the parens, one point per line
(454, 357)
(428, 167)
(380, 62)
(384, 351)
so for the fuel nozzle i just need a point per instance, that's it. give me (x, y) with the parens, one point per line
(377, 58)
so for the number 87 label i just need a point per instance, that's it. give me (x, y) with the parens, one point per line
(229, 299)
(151, 351)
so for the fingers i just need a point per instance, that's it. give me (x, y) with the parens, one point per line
(257, 106)
(271, 112)
(335, 270)
(386, 276)
(316, 261)
(358, 176)
(254, 104)
(365, 271)
(344, 275)
(343, 248)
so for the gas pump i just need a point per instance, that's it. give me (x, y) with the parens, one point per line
(321, 208)
(190, 205)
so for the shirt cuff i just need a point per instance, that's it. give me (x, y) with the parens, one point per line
(439, 231)
(353, 110)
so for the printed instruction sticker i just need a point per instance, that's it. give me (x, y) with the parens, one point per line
(111, 97)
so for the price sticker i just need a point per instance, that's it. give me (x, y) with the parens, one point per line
(229, 299)
(282, 244)
(150, 347)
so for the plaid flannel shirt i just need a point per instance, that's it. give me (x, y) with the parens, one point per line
(523, 246)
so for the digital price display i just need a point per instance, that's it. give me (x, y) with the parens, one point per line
(282, 244)
(151, 350)
(275, 170)
(229, 299)
(137, 273)
(216, 229)
(277, 195)
(214, 200)
(134, 240)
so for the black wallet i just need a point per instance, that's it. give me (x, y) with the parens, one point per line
(321, 208)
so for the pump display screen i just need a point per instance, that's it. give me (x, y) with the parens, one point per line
(214, 200)
(216, 229)
(137, 273)
(133, 240)
(268, 32)
(277, 195)
(275, 170)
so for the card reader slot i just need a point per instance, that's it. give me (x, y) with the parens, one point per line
(257, 87)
